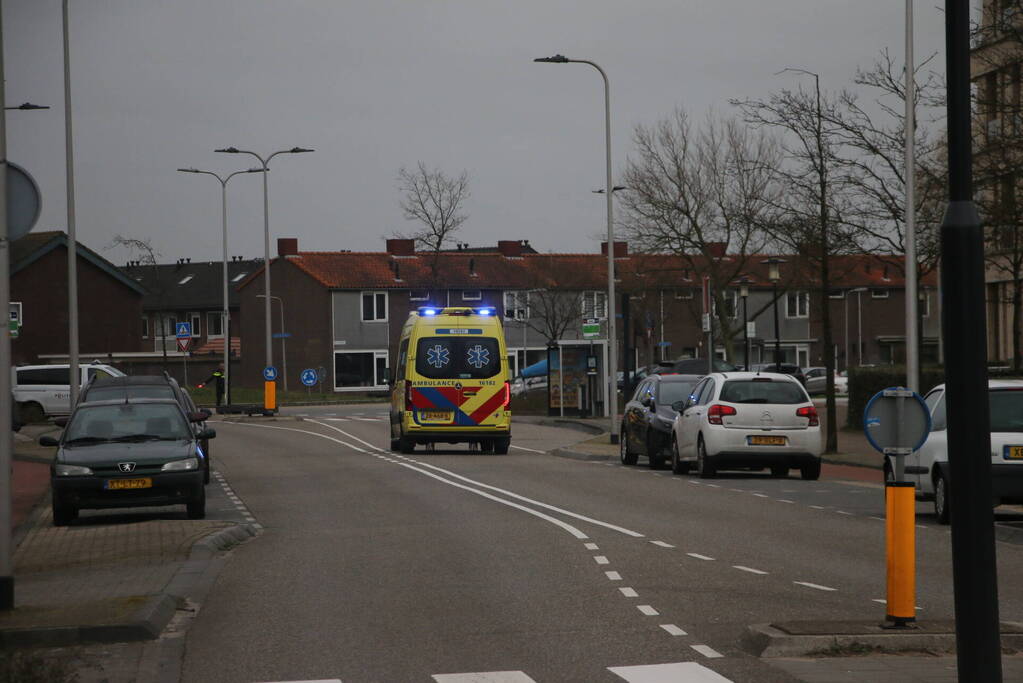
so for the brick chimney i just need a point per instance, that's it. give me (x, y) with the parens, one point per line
(287, 246)
(509, 248)
(621, 249)
(401, 247)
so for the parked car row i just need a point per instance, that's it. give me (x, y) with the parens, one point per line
(723, 420)
(130, 442)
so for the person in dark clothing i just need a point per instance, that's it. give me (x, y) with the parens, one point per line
(217, 375)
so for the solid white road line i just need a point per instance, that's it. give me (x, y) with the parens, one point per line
(350, 436)
(815, 585)
(485, 677)
(647, 610)
(783, 500)
(523, 448)
(662, 544)
(300, 431)
(613, 576)
(707, 651)
(629, 592)
(751, 570)
(698, 556)
(600, 559)
(843, 512)
(674, 630)
(680, 672)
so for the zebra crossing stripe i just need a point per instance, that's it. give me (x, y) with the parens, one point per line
(485, 677)
(679, 672)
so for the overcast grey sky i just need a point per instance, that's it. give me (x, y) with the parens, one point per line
(372, 86)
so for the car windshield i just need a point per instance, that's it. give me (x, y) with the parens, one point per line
(1006, 410)
(126, 422)
(113, 393)
(671, 392)
(761, 391)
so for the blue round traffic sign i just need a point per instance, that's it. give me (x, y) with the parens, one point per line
(269, 373)
(309, 377)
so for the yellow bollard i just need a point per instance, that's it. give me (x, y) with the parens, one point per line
(270, 396)
(900, 526)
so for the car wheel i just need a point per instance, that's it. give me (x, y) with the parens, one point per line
(704, 466)
(487, 447)
(653, 453)
(677, 466)
(32, 412)
(197, 505)
(627, 457)
(941, 510)
(63, 512)
(779, 472)
(811, 471)
(501, 446)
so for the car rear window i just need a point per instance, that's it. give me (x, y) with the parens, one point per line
(1006, 410)
(113, 393)
(762, 391)
(458, 357)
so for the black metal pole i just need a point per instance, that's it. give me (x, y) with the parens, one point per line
(745, 335)
(777, 333)
(974, 572)
(627, 363)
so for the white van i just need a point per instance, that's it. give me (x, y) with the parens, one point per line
(45, 390)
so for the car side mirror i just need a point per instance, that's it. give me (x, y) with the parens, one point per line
(47, 440)
(647, 402)
(678, 406)
(60, 422)
(197, 416)
(208, 433)
(207, 413)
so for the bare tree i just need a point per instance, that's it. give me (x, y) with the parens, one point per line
(146, 254)
(702, 194)
(811, 213)
(430, 197)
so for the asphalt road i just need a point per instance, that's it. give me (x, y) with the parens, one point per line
(380, 567)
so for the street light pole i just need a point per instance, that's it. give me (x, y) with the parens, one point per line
(912, 338)
(265, 163)
(225, 315)
(72, 242)
(612, 337)
(744, 293)
(774, 274)
(856, 291)
(284, 346)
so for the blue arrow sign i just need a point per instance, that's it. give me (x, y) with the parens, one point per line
(309, 377)
(269, 373)
(281, 335)
(183, 330)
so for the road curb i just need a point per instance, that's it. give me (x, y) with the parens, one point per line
(768, 640)
(222, 540)
(577, 455)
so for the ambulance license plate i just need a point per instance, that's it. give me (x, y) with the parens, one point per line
(435, 416)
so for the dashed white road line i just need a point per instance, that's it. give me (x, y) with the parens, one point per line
(600, 559)
(817, 507)
(629, 592)
(674, 630)
(751, 570)
(816, 586)
(761, 495)
(784, 500)
(613, 576)
(662, 544)
(843, 512)
(698, 556)
(648, 610)
(707, 651)
(677, 672)
(591, 546)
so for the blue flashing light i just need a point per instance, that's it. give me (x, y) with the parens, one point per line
(485, 311)
(429, 311)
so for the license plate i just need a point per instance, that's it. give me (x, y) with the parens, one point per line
(1013, 453)
(126, 484)
(435, 416)
(767, 441)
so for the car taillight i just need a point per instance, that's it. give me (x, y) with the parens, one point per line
(408, 396)
(810, 413)
(718, 411)
(507, 395)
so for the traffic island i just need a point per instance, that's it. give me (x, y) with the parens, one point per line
(848, 638)
(114, 620)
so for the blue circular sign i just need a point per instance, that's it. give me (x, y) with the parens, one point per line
(269, 373)
(309, 377)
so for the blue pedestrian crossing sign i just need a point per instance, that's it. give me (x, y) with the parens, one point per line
(309, 377)
(269, 373)
(182, 330)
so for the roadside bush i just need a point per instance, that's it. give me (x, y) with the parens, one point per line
(865, 382)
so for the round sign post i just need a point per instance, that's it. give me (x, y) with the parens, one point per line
(896, 422)
(269, 389)
(309, 378)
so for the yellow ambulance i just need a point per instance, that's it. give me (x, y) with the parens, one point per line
(451, 381)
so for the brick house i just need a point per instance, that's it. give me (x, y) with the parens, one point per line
(109, 302)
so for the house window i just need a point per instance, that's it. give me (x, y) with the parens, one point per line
(925, 304)
(516, 305)
(797, 305)
(374, 306)
(594, 304)
(683, 294)
(879, 294)
(419, 295)
(472, 295)
(360, 369)
(196, 319)
(170, 326)
(214, 324)
(145, 327)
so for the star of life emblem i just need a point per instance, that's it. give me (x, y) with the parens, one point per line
(438, 356)
(478, 356)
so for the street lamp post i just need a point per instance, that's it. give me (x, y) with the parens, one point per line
(856, 291)
(774, 274)
(744, 283)
(265, 163)
(225, 315)
(284, 346)
(72, 241)
(612, 337)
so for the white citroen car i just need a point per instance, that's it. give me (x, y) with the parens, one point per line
(928, 467)
(747, 420)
